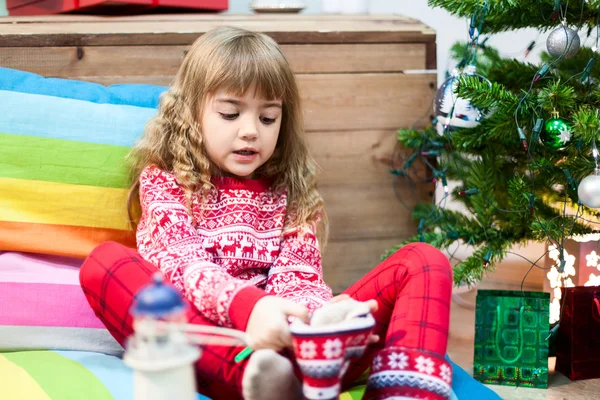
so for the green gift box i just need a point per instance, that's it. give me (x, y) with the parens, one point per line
(511, 328)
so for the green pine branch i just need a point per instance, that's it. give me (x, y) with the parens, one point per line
(514, 75)
(473, 268)
(483, 93)
(505, 15)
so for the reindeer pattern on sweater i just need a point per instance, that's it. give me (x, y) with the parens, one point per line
(239, 237)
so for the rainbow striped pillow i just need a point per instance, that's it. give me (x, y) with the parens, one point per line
(42, 306)
(62, 170)
(63, 375)
(60, 375)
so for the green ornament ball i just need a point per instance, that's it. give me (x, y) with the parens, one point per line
(557, 133)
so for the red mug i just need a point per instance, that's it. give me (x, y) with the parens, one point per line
(324, 352)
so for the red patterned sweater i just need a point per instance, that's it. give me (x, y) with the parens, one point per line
(240, 249)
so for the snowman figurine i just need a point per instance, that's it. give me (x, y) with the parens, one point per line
(159, 353)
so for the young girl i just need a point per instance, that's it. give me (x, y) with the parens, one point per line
(230, 213)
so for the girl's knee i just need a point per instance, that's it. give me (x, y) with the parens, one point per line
(423, 259)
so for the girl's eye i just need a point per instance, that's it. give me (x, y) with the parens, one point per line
(229, 117)
(268, 121)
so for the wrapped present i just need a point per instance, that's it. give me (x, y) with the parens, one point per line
(578, 341)
(40, 7)
(511, 328)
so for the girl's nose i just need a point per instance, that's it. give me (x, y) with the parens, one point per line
(249, 130)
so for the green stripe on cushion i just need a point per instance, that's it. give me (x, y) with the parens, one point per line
(64, 161)
(60, 377)
(16, 383)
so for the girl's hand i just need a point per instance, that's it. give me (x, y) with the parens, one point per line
(268, 326)
(372, 304)
(341, 297)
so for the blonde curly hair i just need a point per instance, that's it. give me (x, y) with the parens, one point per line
(233, 60)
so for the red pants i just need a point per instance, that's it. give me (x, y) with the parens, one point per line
(413, 289)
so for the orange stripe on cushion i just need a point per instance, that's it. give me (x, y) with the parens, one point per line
(62, 240)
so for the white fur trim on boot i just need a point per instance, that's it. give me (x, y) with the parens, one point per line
(270, 376)
(400, 372)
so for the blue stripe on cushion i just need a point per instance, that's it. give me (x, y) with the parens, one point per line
(111, 371)
(129, 94)
(118, 378)
(62, 118)
(464, 386)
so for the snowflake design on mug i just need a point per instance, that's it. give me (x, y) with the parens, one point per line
(425, 365)
(398, 360)
(332, 348)
(308, 349)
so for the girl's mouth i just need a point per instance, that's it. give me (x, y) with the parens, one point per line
(245, 152)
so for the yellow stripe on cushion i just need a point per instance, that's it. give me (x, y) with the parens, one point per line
(63, 204)
(18, 384)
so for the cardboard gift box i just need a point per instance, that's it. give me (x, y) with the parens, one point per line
(41, 7)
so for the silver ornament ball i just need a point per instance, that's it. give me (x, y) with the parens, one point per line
(589, 190)
(563, 41)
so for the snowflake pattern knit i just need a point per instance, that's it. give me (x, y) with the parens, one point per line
(239, 238)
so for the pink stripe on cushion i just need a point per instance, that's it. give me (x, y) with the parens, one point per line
(39, 268)
(42, 304)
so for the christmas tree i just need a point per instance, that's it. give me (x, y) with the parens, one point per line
(519, 138)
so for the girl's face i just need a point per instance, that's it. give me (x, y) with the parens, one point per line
(240, 133)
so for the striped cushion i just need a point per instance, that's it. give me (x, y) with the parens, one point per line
(62, 165)
(73, 375)
(65, 375)
(42, 306)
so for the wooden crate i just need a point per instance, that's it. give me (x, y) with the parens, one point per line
(361, 78)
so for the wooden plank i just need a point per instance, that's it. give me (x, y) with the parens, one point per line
(394, 57)
(346, 261)
(185, 37)
(365, 101)
(134, 31)
(73, 62)
(431, 56)
(345, 101)
(372, 211)
(162, 80)
(362, 157)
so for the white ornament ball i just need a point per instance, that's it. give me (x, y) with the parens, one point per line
(589, 191)
(464, 114)
(563, 41)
